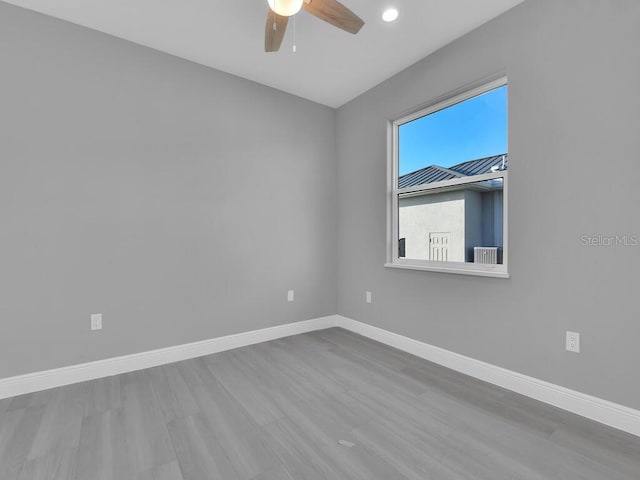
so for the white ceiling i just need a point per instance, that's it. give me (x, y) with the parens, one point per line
(330, 66)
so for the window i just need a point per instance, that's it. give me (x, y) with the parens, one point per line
(448, 193)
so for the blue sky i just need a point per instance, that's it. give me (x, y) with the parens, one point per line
(471, 129)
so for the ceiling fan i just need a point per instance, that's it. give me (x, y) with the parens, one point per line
(330, 11)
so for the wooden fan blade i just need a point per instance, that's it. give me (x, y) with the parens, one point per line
(274, 31)
(335, 13)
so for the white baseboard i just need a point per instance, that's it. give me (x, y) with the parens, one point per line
(603, 411)
(32, 382)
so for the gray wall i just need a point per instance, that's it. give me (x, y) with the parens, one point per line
(178, 201)
(574, 107)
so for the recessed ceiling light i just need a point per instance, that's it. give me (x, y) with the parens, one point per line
(390, 15)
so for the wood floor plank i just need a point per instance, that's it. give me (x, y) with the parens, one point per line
(295, 369)
(103, 453)
(378, 353)
(101, 395)
(410, 413)
(230, 423)
(300, 454)
(412, 455)
(169, 471)
(17, 433)
(34, 399)
(443, 384)
(148, 442)
(331, 432)
(59, 429)
(9, 422)
(173, 395)
(243, 381)
(4, 405)
(59, 465)
(459, 413)
(199, 453)
(319, 351)
(528, 455)
(264, 358)
(593, 448)
(278, 473)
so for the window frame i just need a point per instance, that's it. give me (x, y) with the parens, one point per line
(465, 268)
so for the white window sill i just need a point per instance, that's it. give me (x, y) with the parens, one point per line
(450, 269)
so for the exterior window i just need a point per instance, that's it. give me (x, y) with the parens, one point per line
(448, 201)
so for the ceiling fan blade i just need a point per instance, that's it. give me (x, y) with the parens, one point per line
(335, 13)
(274, 31)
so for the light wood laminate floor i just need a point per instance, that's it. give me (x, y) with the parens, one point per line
(323, 405)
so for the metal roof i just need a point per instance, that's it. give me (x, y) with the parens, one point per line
(435, 173)
(430, 174)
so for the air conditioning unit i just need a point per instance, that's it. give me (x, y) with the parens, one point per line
(486, 255)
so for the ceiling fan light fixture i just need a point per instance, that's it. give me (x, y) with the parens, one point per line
(390, 15)
(285, 8)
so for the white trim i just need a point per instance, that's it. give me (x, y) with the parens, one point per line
(32, 382)
(603, 411)
(463, 269)
(449, 101)
(393, 169)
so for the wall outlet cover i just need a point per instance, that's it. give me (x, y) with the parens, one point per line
(96, 321)
(290, 296)
(573, 342)
(367, 296)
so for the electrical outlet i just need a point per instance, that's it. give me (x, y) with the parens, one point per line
(96, 321)
(367, 296)
(290, 296)
(573, 342)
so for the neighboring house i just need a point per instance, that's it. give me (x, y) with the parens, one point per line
(446, 225)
